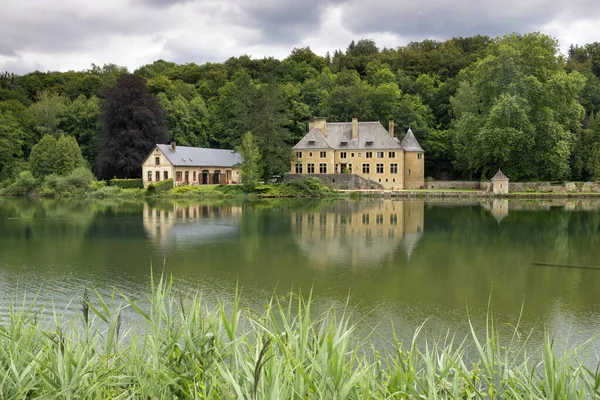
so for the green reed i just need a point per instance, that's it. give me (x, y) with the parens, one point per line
(183, 348)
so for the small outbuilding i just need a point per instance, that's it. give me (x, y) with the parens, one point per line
(500, 183)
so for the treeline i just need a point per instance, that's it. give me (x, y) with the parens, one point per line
(476, 104)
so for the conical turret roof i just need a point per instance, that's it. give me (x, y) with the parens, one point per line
(410, 142)
(499, 177)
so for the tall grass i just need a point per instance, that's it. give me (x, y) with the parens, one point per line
(185, 349)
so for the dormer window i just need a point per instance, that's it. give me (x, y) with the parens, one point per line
(343, 143)
(369, 143)
(311, 142)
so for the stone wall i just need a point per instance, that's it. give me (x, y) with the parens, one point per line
(453, 185)
(554, 187)
(339, 181)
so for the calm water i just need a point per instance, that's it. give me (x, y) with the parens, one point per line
(394, 262)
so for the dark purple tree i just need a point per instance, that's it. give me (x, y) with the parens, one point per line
(132, 123)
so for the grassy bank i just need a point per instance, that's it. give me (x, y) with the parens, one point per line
(183, 349)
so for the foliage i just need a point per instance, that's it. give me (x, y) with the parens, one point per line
(127, 183)
(75, 184)
(469, 101)
(24, 185)
(160, 187)
(181, 347)
(11, 140)
(133, 122)
(51, 156)
(249, 168)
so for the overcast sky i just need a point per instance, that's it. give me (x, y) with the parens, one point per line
(72, 34)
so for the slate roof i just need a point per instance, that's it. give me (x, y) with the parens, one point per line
(199, 157)
(339, 137)
(410, 142)
(499, 177)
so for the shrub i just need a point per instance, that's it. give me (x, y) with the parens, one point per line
(127, 183)
(160, 187)
(24, 185)
(107, 191)
(98, 185)
(77, 183)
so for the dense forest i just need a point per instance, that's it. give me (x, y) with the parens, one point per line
(476, 104)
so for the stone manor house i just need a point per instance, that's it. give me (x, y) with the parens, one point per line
(362, 148)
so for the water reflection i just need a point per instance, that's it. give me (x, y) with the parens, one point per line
(357, 234)
(190, 223)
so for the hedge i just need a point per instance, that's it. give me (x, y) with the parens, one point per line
(159, 187)
(127, 183)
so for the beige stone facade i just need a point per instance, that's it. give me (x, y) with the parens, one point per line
(190, 166)
(500, 183)
(362, 148)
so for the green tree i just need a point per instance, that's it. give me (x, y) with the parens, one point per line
(82, 120)
(11, 140)
(518, 111)
(49, 111)
(68, 156)
(250, 168)
(43, 157)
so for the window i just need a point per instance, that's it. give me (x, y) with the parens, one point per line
(380, 154)
(369, 154)
(394, 219)
(156, 160)
(165, 175)
(322, 168)
(323, 154)
(310, 154)
(366, 168)
(359, 154)
(365, 219)
(369, 143)
(392, 154)
(409, 171)
(379, 219)
(343, 143)
(380, 168)
(298, 168)
(349, 168)
(310, 168)
(178, 176)
(343, 154)
(194, 177)
(420, 156)
(157, 176)
(393, 168)
(299, 154)
(149, 176)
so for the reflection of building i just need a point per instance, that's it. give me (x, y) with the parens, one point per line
(498, 208)
(362, 233)
(191, 223)
(190, 165)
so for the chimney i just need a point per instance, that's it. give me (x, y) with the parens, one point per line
(391, 128)
(173, 146)
(319, 123)
(354, 127)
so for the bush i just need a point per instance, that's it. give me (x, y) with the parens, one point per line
(127, 183)
(24, 185)
(160, 187)
(107, 191)
(98, 185)
(77, 183)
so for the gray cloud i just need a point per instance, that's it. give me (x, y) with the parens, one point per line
(133, 31)
(445, 18)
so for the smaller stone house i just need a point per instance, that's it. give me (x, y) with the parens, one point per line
(191, 165)
(500, 183)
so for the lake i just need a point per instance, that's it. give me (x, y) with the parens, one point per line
(395, 264)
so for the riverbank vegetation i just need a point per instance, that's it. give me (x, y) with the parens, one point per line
(476, 104)
(181, 347)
